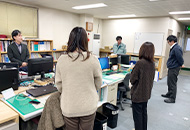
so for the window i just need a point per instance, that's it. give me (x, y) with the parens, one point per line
(18, 17)
(188, 44)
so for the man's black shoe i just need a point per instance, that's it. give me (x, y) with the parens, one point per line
(169, 100)
(165, 95)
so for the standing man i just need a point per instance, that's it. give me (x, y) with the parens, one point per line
(175, 61)
(18, 52)
(119, 47)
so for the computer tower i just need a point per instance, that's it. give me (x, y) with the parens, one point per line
(9, 78)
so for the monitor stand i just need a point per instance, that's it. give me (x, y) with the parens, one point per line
(43, 76)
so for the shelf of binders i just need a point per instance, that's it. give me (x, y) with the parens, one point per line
(59, 50)
(57, 53)
(41, 46)
(40, 51)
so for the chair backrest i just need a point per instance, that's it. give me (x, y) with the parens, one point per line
(126, 82)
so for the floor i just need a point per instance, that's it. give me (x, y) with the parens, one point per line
(162, 116)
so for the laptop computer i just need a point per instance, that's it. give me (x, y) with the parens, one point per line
(41, 90)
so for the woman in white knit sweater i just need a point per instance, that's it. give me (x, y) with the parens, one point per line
(78, 77)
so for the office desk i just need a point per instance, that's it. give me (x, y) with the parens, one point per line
(7, 114)
(28, 114)
(108, 92)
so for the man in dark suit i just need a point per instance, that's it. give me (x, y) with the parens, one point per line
(174, 63)
(18, 52)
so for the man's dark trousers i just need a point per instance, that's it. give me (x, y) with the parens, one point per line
(172, 82)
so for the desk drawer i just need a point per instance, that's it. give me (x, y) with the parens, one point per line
(114, 102)
(112, 93)
(112, 88)
(10, 125)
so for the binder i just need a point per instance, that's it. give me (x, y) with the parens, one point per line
(35, 46)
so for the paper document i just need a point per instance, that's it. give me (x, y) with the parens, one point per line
(8, 93)
(37, 106)
(43, 99)
(106, 81)
(119, 75)
(111, 77)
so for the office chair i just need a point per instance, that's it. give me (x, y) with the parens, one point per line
(123, 88)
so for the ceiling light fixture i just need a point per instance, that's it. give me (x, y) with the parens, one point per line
(90, 6)
(156, 0)
(180, 12)
(122, 16)
(184, 18)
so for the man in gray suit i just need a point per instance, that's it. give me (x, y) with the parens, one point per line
(18, 52)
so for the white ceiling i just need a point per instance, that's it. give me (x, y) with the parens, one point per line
(142, 8)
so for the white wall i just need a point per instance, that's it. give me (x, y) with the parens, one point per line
(56, 25)
(177, 27)
(127, 28)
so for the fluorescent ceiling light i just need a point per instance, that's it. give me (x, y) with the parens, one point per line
(184, 18)
(180, 12)
(90, 6)
(122, 16)
(155, 0)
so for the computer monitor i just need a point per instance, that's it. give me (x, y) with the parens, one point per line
(114, 61)
(104, 62)
(9, 65)
(9, 78)
(124, 59)
(40, 66)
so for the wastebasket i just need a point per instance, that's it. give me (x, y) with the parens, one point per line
(100, 122)
(111, 111)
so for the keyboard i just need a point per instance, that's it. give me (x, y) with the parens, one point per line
(113, 72)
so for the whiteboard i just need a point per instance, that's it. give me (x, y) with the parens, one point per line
(155, 38)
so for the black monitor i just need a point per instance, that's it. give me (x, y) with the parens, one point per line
(9, 78)
(114, 61)
(40, 66)
(124, 59)
(9, 65)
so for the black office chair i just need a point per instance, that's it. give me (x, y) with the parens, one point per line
(123, 88)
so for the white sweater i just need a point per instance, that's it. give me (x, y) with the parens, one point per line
(78, 82)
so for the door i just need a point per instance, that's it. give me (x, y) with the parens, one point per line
(165, 58)
(186, 53)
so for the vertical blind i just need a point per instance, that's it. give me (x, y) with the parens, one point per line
(18, 17)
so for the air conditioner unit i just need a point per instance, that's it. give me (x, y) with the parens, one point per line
(96, 44)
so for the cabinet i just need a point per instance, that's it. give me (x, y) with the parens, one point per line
(7, 115)
(36, 48)
(112, 93)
